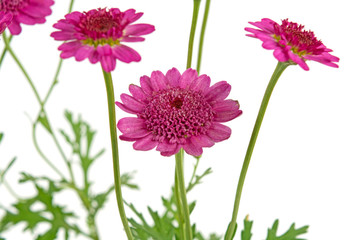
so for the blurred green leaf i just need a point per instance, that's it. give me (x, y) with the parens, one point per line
(246, 232)
(47, 211)
(290, 234)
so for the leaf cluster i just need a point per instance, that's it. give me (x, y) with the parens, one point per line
(165, 226)
(291, 234)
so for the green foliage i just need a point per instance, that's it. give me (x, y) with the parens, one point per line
(246, 232)
(290, 234)
(165, 226)
(54, 215)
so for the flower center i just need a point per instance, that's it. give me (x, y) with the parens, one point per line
(302, 42)
(12, 5)
(176, 114)
(101, 27)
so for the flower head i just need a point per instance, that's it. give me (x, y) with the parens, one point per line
(99, 35)
(28, 12)
(176, 111)
(5, 20)
(291, 42)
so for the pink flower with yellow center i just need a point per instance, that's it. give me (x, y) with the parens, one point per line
(5, 20)
(28, 12)
(291, 42)
(176, 111)
(99, 35)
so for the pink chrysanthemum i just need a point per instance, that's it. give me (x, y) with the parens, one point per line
(28, 12)
(177, 111)
(291, 42)
(98, 35)
(5, 20)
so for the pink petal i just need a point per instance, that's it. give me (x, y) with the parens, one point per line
(130, 16)
(62, 36)
(132, 39)
(146, 85)
(139, 29)
(169, 152)
(202, 83)
(125, 108)
(107, 60)
(217, 92)
(126, 54)
(187, 78)
(83, 52)
(130, 124)
(202, 140)
(14, 27)
(138, 93)
(145, 144)
(132, 103)
(158, 81)
(169, 148)
(192, 148)
(173, 77)
(271, 44)
(280, 55)
(295, 58)
(226, 110)
(218, 132)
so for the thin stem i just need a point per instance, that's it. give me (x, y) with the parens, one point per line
(202, 34)
(8, 47)
(179, 206)
(189, 187)
(281, 66)
(71, 5)
(10, 190)
(192, 32)
(179, 157)
(115, 151)
(4, 51)
(42, 154)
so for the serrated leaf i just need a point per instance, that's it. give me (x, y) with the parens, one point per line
(290, 234)
(246, 232)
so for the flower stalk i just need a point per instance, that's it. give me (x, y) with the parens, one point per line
(281, 66)
(202, 35)
(179, 157)
(192, 32)
(115, 151)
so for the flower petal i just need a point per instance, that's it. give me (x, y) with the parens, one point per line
(192, 148)
(126, 54)
(145, 144)
(158, 81)
(218, 132)
(138, 93)
(202, 83)
(187, 78)
(217, 92)
(132, 103)
(226, 110)
(130, 124)
(146, 85)
(173, 77)
(139, 29)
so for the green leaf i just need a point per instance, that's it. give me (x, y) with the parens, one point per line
(44, 121)
(48, 212)
(246, 232)
(290, 234)
(1, 136)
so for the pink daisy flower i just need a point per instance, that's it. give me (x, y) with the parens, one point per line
(99, 35)
(5, 20)
(28, 12)
(176, 111)
(291, 42)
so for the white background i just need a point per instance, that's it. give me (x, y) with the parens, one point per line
(306, 163)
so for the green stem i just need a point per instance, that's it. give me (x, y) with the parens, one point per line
(179, 157)
(202, 34)
(190, 184)
(192, 32)
(43, 155)
(179, 206)
(8, 47)
(4, 51)
(115, 151)
(281, 66)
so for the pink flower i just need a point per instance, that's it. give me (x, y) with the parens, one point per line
(291, 43)
(99, 35)
(5, 20)
(28, 12)
(177, 111)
